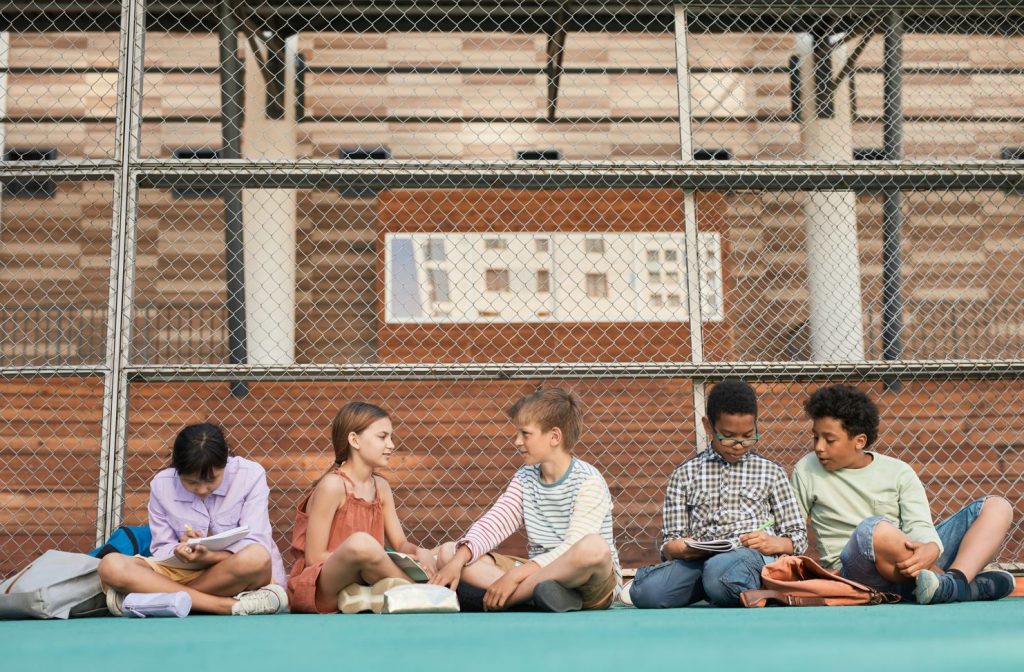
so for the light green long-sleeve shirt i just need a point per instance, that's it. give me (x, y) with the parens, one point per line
(837, 501)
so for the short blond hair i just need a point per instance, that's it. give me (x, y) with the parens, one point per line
(550, 408)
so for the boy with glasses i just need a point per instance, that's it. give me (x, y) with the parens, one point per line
(728, 493)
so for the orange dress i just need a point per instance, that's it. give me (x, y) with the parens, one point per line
(354, 515)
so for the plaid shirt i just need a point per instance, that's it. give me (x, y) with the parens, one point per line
(708, 498)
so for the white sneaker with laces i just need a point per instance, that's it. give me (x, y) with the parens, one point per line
(270, 599)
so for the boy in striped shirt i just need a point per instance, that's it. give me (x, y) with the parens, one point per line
(566, 508)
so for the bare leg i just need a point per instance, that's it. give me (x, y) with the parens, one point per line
(984, 538)
(890, 548)
(481, 573)
(128, 574)
(359, 559)
(586, 558)
(248, 569)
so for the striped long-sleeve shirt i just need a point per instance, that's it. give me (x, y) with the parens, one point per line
(556, 515)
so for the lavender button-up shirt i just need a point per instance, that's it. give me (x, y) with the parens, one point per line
(241, 499)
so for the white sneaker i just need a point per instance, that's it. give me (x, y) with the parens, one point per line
(624, 596)
(270, 599)
(114, 602)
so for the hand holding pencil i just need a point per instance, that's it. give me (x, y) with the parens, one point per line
(763, 541)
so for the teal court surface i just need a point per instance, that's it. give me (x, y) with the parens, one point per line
(981, 636)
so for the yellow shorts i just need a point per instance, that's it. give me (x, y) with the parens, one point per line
(598, 592)
(176, 574)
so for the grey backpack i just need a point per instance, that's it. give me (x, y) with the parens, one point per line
(54, 585)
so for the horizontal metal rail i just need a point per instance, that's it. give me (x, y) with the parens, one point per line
(508, 71)
(962, 369)
(73, 171)
(411, 174)
(704, 176)
(765, 371)
(71, 371)
(975, 17)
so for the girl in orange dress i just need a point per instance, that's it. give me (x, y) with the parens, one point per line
(341, 527)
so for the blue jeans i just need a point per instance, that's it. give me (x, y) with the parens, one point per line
(719, 579)
(858, 556)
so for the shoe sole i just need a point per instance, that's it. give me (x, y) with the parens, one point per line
(554, 597)
(356, 598)
(112, 605)
(926, 586)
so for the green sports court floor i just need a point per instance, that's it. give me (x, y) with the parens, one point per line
(981, 636)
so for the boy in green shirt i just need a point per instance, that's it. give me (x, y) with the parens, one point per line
(871, 515)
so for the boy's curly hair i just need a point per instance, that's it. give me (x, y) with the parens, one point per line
(851, 407)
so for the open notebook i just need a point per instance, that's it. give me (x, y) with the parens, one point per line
(215, 542)
(715, 545)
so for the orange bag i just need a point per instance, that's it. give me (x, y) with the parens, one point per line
(799, 581)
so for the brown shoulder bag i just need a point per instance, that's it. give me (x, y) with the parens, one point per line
(799, 581)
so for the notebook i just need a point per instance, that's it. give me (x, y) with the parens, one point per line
(409, 565)
(215, 542)
(715, 545)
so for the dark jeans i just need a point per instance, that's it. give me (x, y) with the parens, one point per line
(719, 579)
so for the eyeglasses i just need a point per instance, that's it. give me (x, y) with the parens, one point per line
(729, 442)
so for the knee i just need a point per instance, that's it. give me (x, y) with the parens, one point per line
(362, 549)
(253, 562)
(644, 596)
(113, 567)
(726, 577)
(887, 539)
(591, 551)
(445, 553)
(999, 509)
(667, 585)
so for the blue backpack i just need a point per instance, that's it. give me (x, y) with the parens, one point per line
(128, 540)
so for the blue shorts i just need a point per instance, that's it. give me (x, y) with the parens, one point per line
(858, 556)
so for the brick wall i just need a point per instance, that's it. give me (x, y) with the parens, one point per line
(454, 448)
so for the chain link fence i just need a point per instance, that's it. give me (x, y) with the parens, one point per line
(251, 213)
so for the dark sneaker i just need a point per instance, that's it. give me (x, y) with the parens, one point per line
(471, 598)
(553, 596)
(994, 584)
(935, 588)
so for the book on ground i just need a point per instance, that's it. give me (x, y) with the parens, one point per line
(214, 542)
(714, 545)
(409, 565)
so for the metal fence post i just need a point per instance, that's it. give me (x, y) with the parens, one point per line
(892, 204)
(231, 92)
(693, 295)
(110, 501)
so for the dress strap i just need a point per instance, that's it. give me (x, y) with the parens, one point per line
(341, 473)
